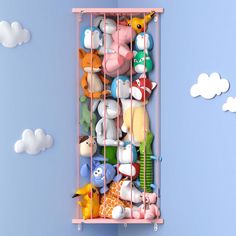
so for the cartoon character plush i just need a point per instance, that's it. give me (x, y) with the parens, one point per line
(92, 38)
(140, 39)
(119, 60)
(117, 203)
(87, 146)
(142, 88)
(139, 116)
(127, 156)
(120, 87)
(85, 116)
(107, 133)
(107, 30)
(139, 22)
(89, 202)
(91, 82)
(139, 62)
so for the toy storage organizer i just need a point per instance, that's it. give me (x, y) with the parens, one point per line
(149, 161)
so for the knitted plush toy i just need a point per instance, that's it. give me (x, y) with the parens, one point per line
(146, 181)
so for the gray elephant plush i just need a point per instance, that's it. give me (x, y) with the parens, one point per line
(106, 126)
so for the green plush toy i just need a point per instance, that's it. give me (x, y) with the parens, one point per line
(149, 163)
(139, 62)
(110, 154)
(85, 116)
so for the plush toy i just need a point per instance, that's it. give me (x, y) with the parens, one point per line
(110, 154)
(139, 42)
(120, 87)
(107, 29)
(92, 38)
(86, 144)
(85, 116)
(138, 114)
(117, 204)
(109, 130)
(142, 86)
(139, 62)
(138, 22)
(89, 202)
(146, 181)
(91, 82)
(119, 61)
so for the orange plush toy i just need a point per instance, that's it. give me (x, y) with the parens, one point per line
(91, 82)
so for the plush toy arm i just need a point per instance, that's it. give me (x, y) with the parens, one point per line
(84, 83)
(117, 178)
(104, 80)
(123, 51)
(85, 170)
(99, 128)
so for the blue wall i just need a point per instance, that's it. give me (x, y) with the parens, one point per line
(198, 145)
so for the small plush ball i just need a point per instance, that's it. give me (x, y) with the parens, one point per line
(86, 144)
(120, 87)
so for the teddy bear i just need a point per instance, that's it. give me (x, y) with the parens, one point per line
(119, 60)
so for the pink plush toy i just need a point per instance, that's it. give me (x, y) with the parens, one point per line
(148, 210)
(119, 60)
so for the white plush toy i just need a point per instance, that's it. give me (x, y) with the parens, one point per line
(106, 126)
(107, 30)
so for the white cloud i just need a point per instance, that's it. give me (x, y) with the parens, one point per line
(209, 86)
(13, 34)
(230, 105)
(33, 142)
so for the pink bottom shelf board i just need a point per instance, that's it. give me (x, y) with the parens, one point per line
(111, 221)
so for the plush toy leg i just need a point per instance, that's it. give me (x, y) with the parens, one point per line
(104, 190)
(118, 212)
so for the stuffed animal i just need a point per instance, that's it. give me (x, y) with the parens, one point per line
(108, 130)
(92, 38)
(89, 202)
(91, 82)
(139, 62)
(107, 30)
(86, 145)
(110, 154)
(139, 115)
(142, 86)
(140, 39)
(148, 210)
(119, 61)
(138, 22)
(85, 116)
(120, 87)
(117, 204)
(146, 161)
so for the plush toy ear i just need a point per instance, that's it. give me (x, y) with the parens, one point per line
(154, 85)
(135, 53)
(82, 53)
(95, 52)
(97, 21)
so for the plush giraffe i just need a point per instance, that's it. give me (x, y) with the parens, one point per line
(116, 203)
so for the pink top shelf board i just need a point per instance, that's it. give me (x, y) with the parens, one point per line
(116, 10)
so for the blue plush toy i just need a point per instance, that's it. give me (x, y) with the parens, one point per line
(93, 41)
(120, 87)
(124, 153)
(139, 41)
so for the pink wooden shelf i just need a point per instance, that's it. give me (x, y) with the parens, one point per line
(116, 10)
(110, 221)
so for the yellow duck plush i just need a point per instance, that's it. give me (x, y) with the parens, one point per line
(138, 23)
(90, 200)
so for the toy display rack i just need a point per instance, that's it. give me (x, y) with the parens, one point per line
(119, 12)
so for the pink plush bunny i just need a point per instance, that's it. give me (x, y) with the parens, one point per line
(119, 60)
(148, 210)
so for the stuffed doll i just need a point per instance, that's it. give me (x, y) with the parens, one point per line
(139, 116)
(106, 126)
(107, 30)
(142, 88)
(92, 38)
(119, 60)
(120, 87)
(139, 62)
(87, 146)
(92, 82)
(139, 22)
(139, 42)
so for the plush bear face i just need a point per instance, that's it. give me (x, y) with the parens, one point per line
(123, 35)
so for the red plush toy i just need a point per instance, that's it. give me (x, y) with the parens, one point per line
(125, 170)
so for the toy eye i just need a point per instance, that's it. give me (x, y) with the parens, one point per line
(141, 60)
(95, 173)
(99, 170)
(139, 26)
(138, 82)
(87, 142)
(94, 142)
(135, 60)
(87, 31)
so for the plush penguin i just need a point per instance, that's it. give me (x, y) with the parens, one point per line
(139, 42)
(120, 87)
(93, 41)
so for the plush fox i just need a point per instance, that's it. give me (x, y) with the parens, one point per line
(91, 82)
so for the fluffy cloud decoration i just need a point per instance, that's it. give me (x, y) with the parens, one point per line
(230, 105)
(13, 34)
(33, 142)
(209, 86)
